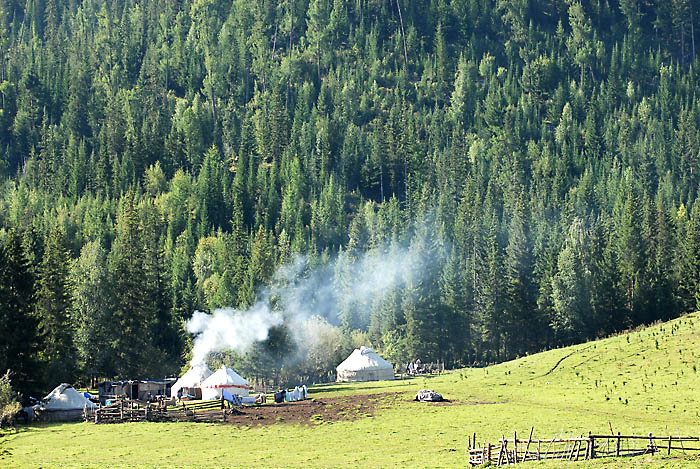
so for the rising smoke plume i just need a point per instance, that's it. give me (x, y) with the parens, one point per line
(298, 294)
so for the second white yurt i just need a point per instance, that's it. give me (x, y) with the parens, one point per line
(224, 378)
(364, 364)
(63, 404)
(191, 380)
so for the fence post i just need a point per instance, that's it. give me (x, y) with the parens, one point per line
(588, 445)
(500, 453)
(617, 449)
(488, 453)
(669, 444)
(527, 446)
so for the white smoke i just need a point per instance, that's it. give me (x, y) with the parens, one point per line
(229, 329)
(299, 294)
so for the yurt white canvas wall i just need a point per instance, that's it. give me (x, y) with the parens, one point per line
(224, 378)
(192, 379)
(364, 364)
(63, 404)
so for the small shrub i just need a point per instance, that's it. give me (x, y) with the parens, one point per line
(9, 401)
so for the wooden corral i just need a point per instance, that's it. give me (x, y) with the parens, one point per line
(515, 450)
(127, 410)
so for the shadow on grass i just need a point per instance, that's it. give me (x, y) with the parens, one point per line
(25, 428)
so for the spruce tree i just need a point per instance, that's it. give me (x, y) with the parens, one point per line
(19, 342)
(54, 310)
(133, 338)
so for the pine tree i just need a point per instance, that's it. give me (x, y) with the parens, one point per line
(521, 313)
(690, 261)
(133, 338)
(18, 323)
(631, 248)
(454, 294)
(425, 323)
(571, 288)
(54, 310)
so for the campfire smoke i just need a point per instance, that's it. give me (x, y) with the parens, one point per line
(298, 294)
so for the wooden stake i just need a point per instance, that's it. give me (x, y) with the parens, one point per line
(681, 440)
(563, 453)
(500, 453)
(549, 445)
(527, 447)
(617, 450)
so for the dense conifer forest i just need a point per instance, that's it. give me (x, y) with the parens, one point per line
(162, 157)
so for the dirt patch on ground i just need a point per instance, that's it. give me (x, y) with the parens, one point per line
(317, 411)
(311, 411)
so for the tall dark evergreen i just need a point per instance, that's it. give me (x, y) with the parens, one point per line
(54, 310)
(19, 342)
(135, 353)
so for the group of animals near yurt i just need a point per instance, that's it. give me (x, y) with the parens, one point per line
(644, 381)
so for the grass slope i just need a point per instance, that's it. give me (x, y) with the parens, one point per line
(640, 382)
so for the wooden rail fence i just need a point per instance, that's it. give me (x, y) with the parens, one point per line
(515, 450)
(138, 411)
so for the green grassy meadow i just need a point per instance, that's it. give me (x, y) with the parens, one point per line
(644, 381)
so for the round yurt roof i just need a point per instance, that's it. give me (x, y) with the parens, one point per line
(224, 377)
(65, 397)
(364, 358)
(192, 379)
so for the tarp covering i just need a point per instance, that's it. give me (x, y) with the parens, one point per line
(192, 379)
(364, 364)
(63, 404)
(65, 397)
(224, 379)
(426, 395)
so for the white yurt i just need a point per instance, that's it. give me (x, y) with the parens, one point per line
(364, 364)
(192, 379)
(224, 378)
(63, 404)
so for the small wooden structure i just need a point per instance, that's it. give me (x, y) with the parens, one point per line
(515, 450)
(134, 389)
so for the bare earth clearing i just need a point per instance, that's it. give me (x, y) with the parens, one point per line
(319, 410)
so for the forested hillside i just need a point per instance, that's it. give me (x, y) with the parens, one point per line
(167, 156)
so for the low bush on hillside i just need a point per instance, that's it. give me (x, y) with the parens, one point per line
(9, 401)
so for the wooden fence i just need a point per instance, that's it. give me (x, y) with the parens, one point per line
(137, 411)
(514, 450)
